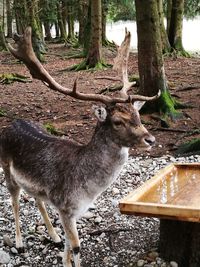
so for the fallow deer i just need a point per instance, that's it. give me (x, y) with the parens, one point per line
(68, 175)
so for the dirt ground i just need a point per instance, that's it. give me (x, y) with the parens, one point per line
(34, 101)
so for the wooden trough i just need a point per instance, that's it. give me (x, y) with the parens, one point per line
(173, 195)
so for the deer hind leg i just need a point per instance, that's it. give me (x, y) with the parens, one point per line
(15, 208)
(14, 190)
(72, 241)
(55, 237)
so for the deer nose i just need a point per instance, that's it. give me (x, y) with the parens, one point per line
(150, 140)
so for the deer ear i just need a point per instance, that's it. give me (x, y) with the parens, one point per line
(138, 104)
(100, 113)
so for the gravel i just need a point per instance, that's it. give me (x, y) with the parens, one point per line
(108, 238)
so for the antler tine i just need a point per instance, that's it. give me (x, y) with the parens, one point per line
(121, 65)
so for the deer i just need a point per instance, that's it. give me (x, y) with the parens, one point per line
(68, 175)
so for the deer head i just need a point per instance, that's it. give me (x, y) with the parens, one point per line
(124, 124)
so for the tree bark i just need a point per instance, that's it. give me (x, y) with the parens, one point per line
(21, 15)
(176, 24)
(82, 16)
(9, 18)
(169, 11)
(87, 30)
(150, 59)
(47, 29)
(62, 27)
(95, 49)
(70, 22)
(26, 12)
(64, 13)
(104, 13)
(57, 30)
(37, 35)
(180, 242)
(2, 38)
(164, 37)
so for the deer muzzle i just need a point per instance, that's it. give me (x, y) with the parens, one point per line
(148, 141)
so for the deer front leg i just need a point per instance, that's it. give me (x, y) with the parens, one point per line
(71, 242)
(55, 237)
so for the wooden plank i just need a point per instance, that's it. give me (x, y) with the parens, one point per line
(159, 197)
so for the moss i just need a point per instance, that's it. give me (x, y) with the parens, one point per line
(178, 47)
(51, 129)
(136, 79)
(8, 78)
(72, 42)
(102, 65)
(84, 66)
(192, 146)
(167, 106)
(3, 113)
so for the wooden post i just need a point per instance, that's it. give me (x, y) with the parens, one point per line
(180, 242)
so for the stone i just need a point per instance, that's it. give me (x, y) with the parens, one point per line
(88, 215)
(173, 264)
(4, 257)
(140, 263)
(7, 241)
(14, 250)
(97, 219)
(26, 212)
(115, 202)
(115, 191)
(153, 255)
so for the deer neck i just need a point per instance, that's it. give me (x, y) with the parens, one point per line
(107, 158)
(105, 140)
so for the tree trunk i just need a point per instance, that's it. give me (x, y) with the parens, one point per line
(95, 54)
(82, 17)
(180, 242)
(57, 30)
(164, 37)
(37, 36)
(176, 24)
(150, 59)
(104, 13)
(70, 22)
(169, 11)
(62, 27)
(64, 12)
(87, 30)
(26, 13)
(47, 29)
(9, 18)
(21, 15)
(2, 38)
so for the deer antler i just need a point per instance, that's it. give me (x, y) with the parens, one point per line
(121, 63)
(25, 53)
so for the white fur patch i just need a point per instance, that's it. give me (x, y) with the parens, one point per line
(100, 113)
(120, 164)
(138, 104)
